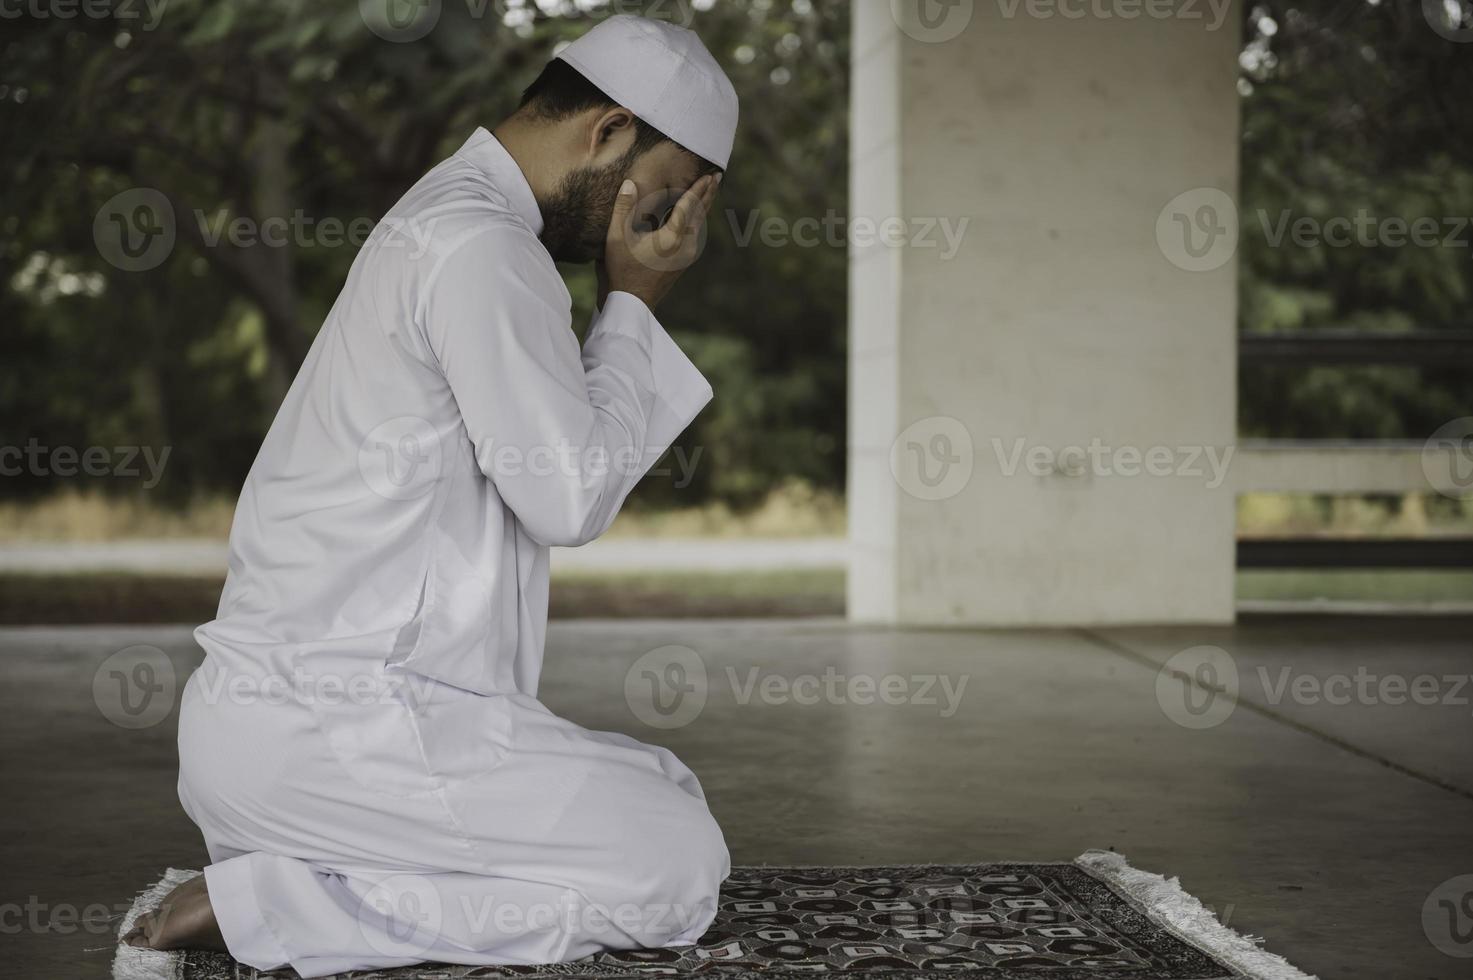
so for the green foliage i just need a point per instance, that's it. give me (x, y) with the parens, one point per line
(262, 108)
(282, 108)
(1354, 111)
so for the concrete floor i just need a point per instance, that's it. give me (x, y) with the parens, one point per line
(1322, 827)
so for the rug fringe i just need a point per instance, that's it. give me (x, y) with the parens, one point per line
(1170, 904)
(133, 963)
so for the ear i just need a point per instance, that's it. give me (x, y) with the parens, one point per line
(611, 134)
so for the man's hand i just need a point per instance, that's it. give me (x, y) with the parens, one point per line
(647, 263)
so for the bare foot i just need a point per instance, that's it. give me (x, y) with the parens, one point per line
(183, 920)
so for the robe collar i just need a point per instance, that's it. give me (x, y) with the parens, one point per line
(486, 153)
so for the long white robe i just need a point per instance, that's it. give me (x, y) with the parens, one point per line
(363, 748)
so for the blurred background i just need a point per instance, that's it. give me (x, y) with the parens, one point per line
(243, 150)
(1139, 324)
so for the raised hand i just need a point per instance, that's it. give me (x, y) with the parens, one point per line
(647, 263)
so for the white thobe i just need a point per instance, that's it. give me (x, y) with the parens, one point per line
(362, 748)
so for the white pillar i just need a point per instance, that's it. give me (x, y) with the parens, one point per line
(1071, 311)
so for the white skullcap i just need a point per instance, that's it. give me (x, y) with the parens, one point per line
(665, 76)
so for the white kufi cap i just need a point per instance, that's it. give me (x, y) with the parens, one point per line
(665, 76)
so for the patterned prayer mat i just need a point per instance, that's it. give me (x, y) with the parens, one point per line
(1095, 918)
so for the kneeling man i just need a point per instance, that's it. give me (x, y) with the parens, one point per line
(363, 748)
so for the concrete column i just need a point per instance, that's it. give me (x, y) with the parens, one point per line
(1043, 311)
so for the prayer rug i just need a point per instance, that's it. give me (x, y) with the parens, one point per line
(1094, 918)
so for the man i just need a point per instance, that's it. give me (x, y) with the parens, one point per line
(362, 747)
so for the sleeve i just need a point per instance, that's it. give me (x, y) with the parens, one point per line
(564, 437)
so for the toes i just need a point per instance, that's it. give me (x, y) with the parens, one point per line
(143, 931)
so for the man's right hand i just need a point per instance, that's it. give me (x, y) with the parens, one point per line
(647, 263)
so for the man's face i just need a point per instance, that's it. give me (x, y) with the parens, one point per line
(576, 220)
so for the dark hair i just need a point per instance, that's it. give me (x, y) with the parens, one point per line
(562, 91)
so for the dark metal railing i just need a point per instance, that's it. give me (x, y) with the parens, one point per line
(1424, 348)
(1355, 553)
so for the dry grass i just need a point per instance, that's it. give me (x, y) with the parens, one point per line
(95, 517)
(1412, 515)
(792, 511)
(789, 512)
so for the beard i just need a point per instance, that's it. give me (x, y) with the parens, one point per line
(575, 221)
